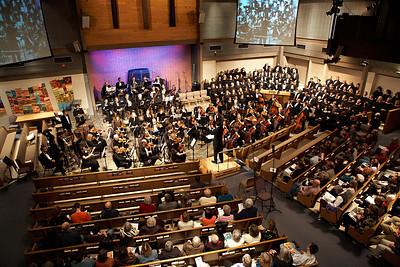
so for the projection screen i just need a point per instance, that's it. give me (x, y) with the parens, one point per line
(266, 22)
(23, 35)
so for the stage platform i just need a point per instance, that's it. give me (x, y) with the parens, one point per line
(221, 170)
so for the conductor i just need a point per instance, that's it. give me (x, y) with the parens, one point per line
(218, 142)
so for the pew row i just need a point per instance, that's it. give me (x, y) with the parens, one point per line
(121, 202)
(97, 177)
(106, 189)
(281, 163)
(286, 186)
(333, 217)
(26, 151)
(217, 257)
(292, 142)
(262, 145)
(174, 235)
(36, 232)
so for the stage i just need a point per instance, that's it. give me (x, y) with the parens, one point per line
(221, 170)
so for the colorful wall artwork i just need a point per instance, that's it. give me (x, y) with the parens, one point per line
(34, 99)
(2, 109)
(62, 89)
(173, 63)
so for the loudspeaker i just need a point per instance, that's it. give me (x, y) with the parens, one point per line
(85, 22)
(77, 46)
(172, 18)
(202, 16)
(114, 14)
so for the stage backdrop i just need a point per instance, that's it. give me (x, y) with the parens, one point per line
(172, 63)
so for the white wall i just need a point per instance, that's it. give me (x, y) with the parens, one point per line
(248, 64)
(78, 85)
(209, 69)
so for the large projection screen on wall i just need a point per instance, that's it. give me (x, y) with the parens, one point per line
(266, 22)
(23, 35)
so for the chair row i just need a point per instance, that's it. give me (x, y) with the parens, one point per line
(98, 177)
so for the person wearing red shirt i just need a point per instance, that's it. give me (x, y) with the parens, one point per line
(147, 206)
(80, 216)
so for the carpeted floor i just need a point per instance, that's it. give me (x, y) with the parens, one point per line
(336, 249)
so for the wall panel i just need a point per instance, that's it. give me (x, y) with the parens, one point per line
(131, 32)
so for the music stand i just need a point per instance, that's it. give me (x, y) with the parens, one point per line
(209, 138)
(192, 145)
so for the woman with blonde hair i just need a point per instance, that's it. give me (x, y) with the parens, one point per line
(147, 254)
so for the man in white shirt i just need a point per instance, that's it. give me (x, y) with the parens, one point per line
(207, 198)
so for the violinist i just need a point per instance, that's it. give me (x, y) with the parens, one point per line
(88, 158)
(121, 157)
(148, 153)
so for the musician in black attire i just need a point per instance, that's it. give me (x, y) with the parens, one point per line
(79, 115)
(50, 162)
(218, 142)
(66, 121)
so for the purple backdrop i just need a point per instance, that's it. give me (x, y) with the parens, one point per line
(169, 62)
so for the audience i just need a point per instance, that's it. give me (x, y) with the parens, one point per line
(207, 198)
(224, 196)
(146, 253)
(127, 232)
(226, 216)
(67, 236)
(209, 217)
(214, 243)
(151, 227)
(249, 210)
(253, 236)
(194, 246)
(80, 216)
(197, 183)
(168, 203)
(147, 206)
(108, 212)
(103, 260)
(236, 240)
(185, 222)
(169, 251)
(247, 261)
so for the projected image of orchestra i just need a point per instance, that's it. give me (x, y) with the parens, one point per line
(271, 22)
(22, 32)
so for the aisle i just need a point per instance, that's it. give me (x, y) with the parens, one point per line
(15, 202)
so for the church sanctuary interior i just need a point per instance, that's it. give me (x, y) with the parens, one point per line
(245, 133)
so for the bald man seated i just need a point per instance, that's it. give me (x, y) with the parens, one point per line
(108, 212)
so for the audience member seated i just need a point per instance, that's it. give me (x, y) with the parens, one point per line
(265, 260)
(185, 222)
(310, 190)
(249, 210)
(270, 232)
(390, 227)
(103, 260)
(253, 236)
(214, 243)
(194, 246)
(125, 257)
(80, 216)
(343, 195)
(146, 254)
(151, 227)
(197, 183)
(58, 217)
(207, 198)
(236, 240)
(147, 206)
(224, 196)
(386, 245)
(209, 218)
(168, 203)
(127, 233)
(226, 216)
(301, 258)
(169, 251)
(108, 212)
(81, 260)
(67, 236)
(282, 259)
(247, 261)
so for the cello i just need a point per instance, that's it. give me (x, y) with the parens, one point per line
(299, 121)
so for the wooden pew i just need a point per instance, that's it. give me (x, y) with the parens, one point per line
(118, 188)
(286, 186)
(289, 143)
(97, 177)
(176, 236)
(26, 154)
(334, 217)
(365, 236)
(43, 213)
(38, 232)
(216, 257)
(392, 259)
(280, 164)
(261, 145)
(8, 143)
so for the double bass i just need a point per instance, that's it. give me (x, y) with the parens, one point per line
(299, 121)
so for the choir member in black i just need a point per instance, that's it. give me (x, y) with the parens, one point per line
(218, 142)
(51, 162)
(120, 86)
(121, 157)
(79, 115)
(66, 121)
